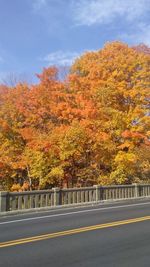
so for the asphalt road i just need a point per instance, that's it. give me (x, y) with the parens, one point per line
(114, 235)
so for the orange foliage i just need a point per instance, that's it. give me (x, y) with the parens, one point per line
(83, 130)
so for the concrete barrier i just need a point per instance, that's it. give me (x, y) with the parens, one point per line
(32, 200)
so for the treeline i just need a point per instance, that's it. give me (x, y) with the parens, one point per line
(92, 127)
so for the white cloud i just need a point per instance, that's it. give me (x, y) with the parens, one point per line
(38, 4)
(90, 12)
(141, 35)
(61, 58)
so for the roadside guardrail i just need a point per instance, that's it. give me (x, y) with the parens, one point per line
(32, 200)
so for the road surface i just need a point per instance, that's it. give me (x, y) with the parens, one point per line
(114, 235)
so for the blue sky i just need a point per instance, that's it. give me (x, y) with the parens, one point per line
(39, 33)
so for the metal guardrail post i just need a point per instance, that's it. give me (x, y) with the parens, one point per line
(4, 205)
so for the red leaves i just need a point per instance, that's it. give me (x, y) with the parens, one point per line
(48, 75)
(130, 134)
(135, 138)
(28, 134)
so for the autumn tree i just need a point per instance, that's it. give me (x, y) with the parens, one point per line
(92, 127)
(117, 80)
